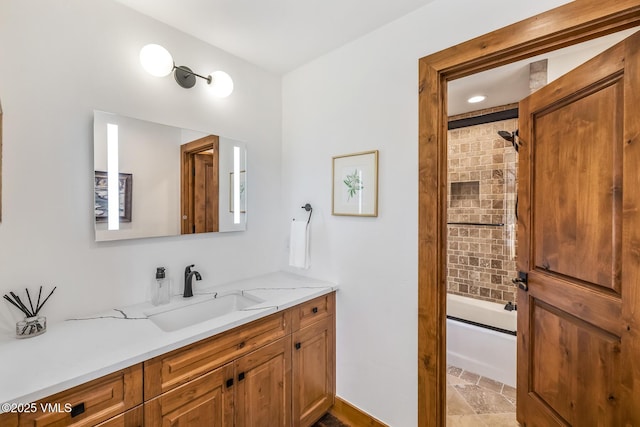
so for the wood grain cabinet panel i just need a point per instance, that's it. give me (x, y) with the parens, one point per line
(205, 401)
(313, 371)
(90, 403)
(312, 311)
(9, 420)
(170, 370)
(132, 418)
(263, 392)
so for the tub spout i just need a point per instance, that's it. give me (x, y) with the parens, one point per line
(510, 306)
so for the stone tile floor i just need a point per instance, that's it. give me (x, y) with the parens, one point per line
(475, 401)
(472, 401)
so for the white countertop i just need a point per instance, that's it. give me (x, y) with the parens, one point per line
(79, 350)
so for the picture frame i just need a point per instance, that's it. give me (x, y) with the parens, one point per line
(355, 184)
(125, 181)
(243, 192)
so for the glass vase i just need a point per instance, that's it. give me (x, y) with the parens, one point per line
(31, 327)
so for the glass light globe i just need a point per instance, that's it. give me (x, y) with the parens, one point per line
(221, 84)
(156, 60)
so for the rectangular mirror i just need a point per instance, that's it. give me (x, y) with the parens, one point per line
(165, 180)
(0, 162)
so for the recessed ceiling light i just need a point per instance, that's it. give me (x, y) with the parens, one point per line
(475, 99)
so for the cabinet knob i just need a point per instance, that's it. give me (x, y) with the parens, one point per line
(240, 376)
(241, 345)
(229, 382)
(298, 345)
(314, 310)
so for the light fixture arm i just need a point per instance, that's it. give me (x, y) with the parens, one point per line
(189, 71)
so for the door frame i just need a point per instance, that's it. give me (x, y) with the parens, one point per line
(566, 25)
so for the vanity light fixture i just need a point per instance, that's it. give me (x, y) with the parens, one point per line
(157, 61)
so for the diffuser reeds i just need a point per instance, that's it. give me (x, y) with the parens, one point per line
(29, 311)
(33, 324)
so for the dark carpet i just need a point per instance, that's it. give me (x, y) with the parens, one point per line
(329, 421)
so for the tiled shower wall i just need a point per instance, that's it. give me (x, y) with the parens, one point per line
(482, 189)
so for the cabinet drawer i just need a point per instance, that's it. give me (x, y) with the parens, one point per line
(132, 418)
(312, 311)
(170, 370)
(90, 403)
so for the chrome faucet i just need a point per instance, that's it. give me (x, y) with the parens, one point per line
(188, 278)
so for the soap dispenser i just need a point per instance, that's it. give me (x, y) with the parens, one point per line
(160, 289)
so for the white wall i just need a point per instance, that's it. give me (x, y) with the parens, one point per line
(361, 97)
(58, 62)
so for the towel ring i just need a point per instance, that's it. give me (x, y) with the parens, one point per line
(307, 207)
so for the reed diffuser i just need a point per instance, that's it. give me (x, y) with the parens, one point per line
(33, 324)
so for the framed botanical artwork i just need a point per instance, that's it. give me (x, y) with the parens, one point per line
(355, 184)
(125, 184)
(243, 192)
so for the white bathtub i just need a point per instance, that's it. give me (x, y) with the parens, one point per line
(483, 351)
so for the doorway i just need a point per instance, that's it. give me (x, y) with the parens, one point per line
(482, 230)
(566, 25)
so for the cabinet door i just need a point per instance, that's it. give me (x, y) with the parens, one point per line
(313, 372)
(263, 394)
(132, 418)
(205, 401)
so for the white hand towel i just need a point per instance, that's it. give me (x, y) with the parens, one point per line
(299, 245)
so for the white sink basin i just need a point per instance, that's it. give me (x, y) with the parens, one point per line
(199, 310)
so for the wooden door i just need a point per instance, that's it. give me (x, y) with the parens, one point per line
(313, 372)
(579, 243)
(204, 216)
(199, 185)
(205, 401)
(263, 392)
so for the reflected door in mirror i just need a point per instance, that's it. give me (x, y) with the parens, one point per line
(199, 185)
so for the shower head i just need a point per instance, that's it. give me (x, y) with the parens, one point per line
(510, 136)
(506, 135)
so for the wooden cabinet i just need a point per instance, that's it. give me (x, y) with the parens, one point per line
(278, 371)
(9, 419)
(205, 401)
(263, 392)
(169, 370)
(314, 361)
(132, 418)
(91, 403)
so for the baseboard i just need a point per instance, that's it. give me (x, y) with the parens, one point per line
(355, 417)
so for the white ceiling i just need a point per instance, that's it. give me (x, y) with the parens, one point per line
(278, 35)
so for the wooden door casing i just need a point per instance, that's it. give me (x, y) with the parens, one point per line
(578, 216)
(571, 23)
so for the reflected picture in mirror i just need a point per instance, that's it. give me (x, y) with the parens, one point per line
(177, 187)
(101, 192)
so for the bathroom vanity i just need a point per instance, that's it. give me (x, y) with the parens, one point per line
(276, 366)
